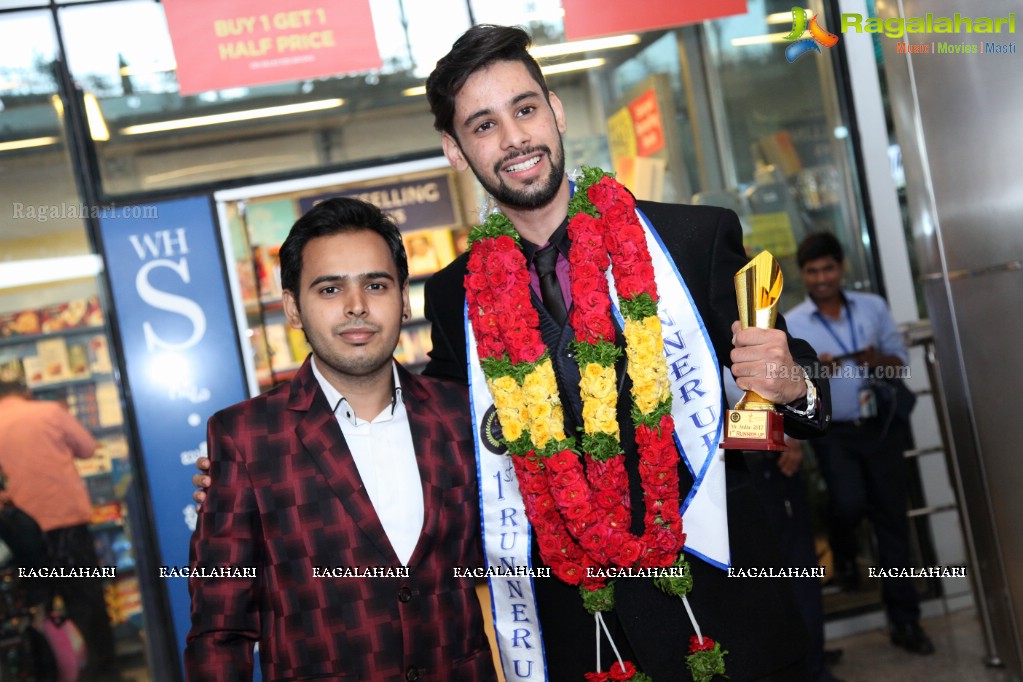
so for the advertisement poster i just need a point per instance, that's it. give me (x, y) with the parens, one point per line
(236, 43)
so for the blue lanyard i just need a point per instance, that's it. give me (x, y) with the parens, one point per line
(852, 331)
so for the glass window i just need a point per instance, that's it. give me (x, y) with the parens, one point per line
(786, 150)
(149, 139)
(54, 336)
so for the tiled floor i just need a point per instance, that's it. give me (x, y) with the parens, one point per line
(869, 657)
(958, 641)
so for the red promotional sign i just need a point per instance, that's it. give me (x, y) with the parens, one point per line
(592, 18)
(235, 43)
(646, 121)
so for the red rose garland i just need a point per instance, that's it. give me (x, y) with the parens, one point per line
(582, 514)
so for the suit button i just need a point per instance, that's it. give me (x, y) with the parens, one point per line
(412, 674)
(405, 595)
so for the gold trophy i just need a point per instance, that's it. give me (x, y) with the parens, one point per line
(754, 424)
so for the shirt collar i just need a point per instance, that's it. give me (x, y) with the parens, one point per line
(558, 240)
(846, 304)
(339, 404)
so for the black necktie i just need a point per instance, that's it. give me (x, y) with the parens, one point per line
(546, 260)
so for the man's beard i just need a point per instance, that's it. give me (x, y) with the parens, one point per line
(534, 196)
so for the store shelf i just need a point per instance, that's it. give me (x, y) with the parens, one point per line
(18, 340)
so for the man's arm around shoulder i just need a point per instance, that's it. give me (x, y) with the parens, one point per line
(225, 610)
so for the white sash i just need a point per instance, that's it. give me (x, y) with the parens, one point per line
(507, 537)
(696, 407)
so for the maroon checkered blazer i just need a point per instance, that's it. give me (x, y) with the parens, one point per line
(287, 497)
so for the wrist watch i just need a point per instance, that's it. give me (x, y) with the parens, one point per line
(810, 411)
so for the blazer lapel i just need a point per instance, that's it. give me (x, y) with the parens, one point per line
(321, 436)
(423, 422)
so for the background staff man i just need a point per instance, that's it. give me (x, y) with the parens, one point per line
(354, 463)
(861, 458)
(496, 117)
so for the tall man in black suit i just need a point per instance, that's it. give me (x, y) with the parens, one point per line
(497, 117)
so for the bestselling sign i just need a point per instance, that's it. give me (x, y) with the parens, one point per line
(236, 43)
(592, 18)
(182, 358)
(412, 205)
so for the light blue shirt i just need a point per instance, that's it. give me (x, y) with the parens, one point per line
(865, 321)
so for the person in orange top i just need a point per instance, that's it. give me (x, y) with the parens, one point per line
(40, 441)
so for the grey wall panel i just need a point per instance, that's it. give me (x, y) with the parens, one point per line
(989, 313)
(957, 121)
(969, 109)
(988, 571)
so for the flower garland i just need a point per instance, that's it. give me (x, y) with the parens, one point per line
(579, 505)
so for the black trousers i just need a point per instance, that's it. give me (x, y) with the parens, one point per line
(788, 509)
(867, 475)
(72, 547)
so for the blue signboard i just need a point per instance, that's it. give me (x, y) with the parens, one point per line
(182, 357)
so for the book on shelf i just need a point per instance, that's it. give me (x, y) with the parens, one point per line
(280, 351)
(53, 357)
(33, 371)
(298, 345)
(267, 263)
(20, 323)
(79, 366)
(99, 355)
(417, 300)
(108, 405)
(79, 312)
(12, 370)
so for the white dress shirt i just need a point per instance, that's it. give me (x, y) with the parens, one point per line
(386, 459)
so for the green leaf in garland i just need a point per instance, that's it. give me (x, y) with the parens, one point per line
(495, 368)
(495, 225)
(653, 418)
(603, 353)
(601, 446)
(521, 446)
(521, 370)
(704, 665)
(638, 308)
(580, 201)
(677, 585)
(554, 446)
(602, 599)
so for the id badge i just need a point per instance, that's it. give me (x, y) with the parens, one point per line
(868, 403)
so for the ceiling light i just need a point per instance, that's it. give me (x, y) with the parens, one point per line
(546, 70)
(232, 117)
(37, 271)
(783, 17)
(26, 144)
(759, 40)
(573, 66)
(94, 115)
(159, 67)
(545, 51)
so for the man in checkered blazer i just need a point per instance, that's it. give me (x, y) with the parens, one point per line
(342, 501)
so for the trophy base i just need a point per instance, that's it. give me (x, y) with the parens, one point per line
(753, 430)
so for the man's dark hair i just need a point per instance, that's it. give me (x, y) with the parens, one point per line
(477, 48)
(339, 215)
(13, 388)
(819, 245)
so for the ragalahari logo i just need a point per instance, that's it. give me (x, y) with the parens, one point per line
(818, 36)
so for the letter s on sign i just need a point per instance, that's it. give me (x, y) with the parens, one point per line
(170, 302)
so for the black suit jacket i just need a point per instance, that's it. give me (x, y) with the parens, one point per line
(755, 619)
